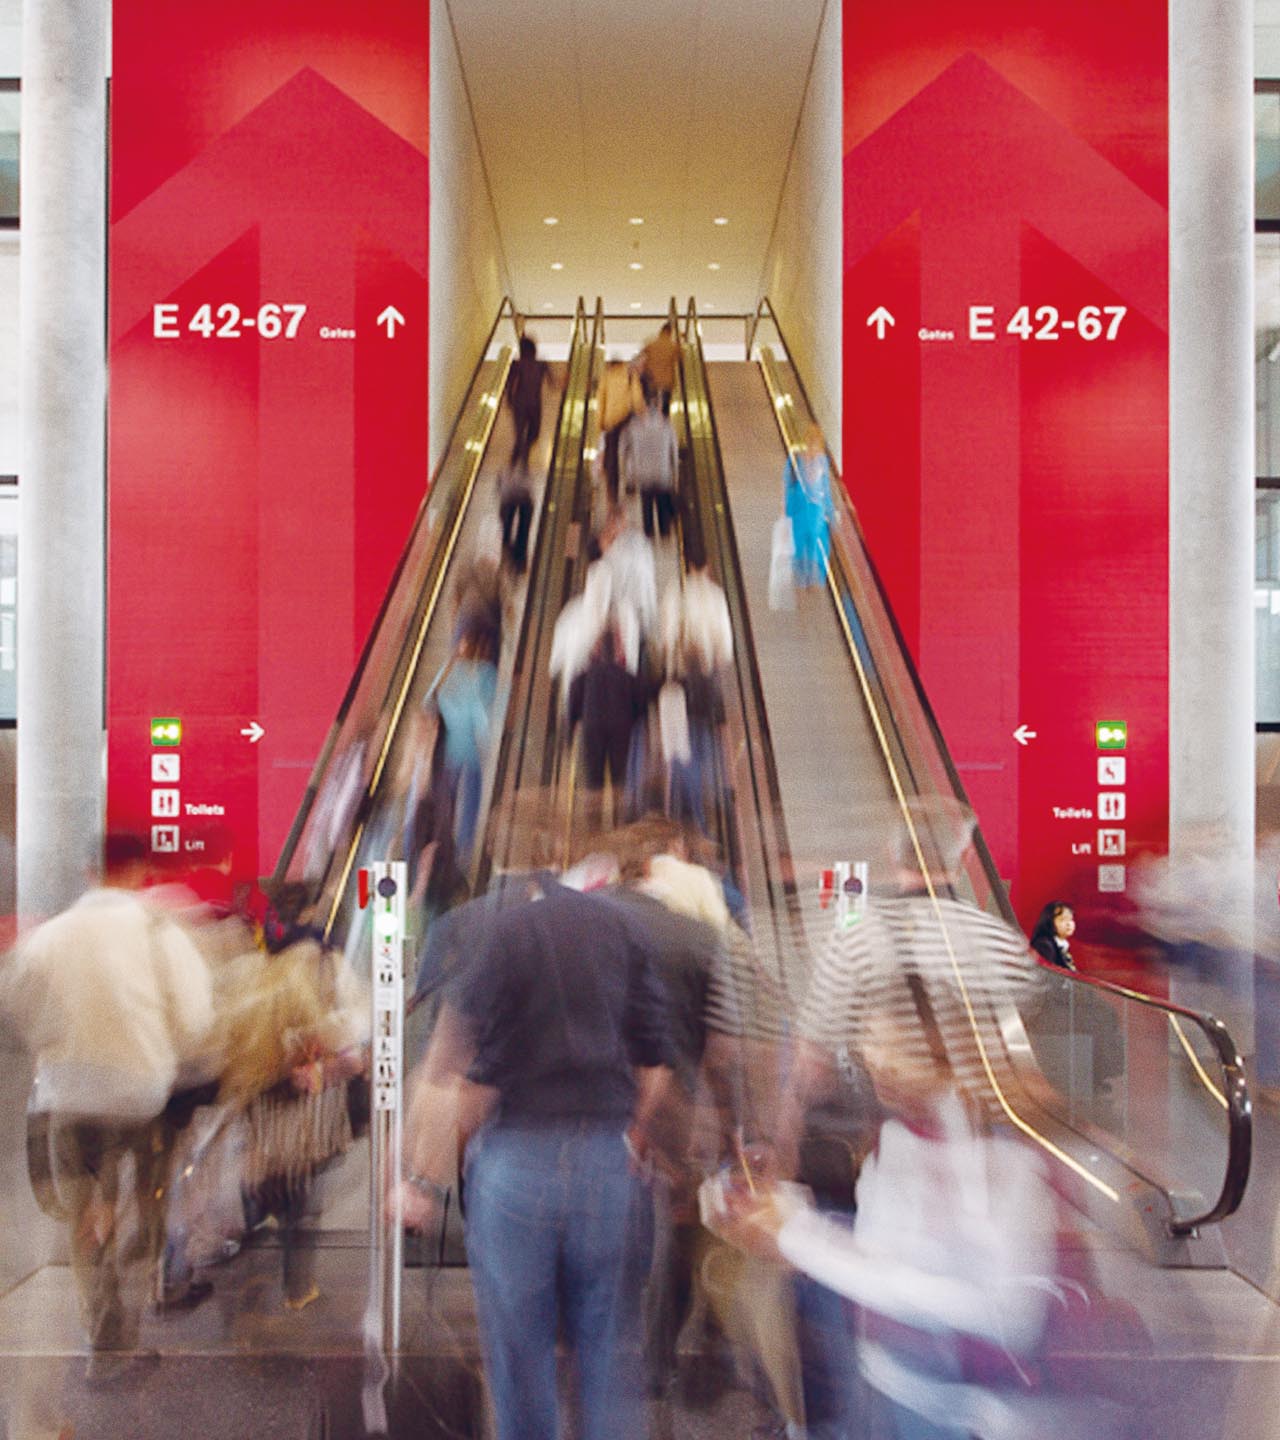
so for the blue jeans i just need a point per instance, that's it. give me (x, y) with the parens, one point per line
(557, 1231)
(825, 1330)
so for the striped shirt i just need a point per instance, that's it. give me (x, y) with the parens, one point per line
(941, 973)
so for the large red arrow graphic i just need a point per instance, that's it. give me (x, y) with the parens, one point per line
(309, 199)
(963, 174)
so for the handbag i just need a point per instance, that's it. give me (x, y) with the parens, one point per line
(782, 595)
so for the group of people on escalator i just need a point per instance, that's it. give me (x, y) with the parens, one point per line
(641, 678)
(698, 1172)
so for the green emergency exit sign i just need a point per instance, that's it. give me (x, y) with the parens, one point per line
(1112, 734)
(167, 730)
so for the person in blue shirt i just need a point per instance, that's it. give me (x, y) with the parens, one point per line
(464, 700)
(807, 502)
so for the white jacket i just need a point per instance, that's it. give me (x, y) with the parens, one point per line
(697, 619)
(113, 999)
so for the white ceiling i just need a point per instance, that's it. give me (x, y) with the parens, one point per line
(675, 111)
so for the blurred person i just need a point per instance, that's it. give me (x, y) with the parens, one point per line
(659, 362)
(1052, 932)
(526, 380)
(695, 615)
(606, 700)
(579, 626)
(479, 603)
(650, 463)
(464, 702)
(629, 558)
(682, 910)
(552, 1043)
(951, 1256)
(695, 774)
(618, 398)
(807, 503)
(912, 953)
(515, 512)
(116, 1003)
(293, 1043)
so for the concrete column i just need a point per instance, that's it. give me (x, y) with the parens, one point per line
(1211, 244)
(61, 484)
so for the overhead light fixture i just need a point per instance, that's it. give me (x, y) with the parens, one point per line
(636, 220)
(547, 305)
(556, 265)
(721, 220)
(551, 220)
(708, 304)
(715, 265)
(635, 265)
(636, 304)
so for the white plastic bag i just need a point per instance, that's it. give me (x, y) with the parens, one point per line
(782, 593)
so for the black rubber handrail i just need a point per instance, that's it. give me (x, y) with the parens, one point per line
(1236, 1091)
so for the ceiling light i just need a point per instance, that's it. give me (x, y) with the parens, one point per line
(556, 265)
(635, 304)
(721, 220)
(635, 265)
(547, 305)
(708, 305)
(715, 265)
(555, 220)
(637, 220)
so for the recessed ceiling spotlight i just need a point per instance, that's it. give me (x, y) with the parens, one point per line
(636, 220)
(636, 305)
(557, 265)
(715, 265)
(635, 265)
(721, 220)
(547, 305)
(708, 304)
(555, 220)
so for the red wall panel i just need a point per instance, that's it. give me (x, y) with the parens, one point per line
(1014, 487)
(264, 153)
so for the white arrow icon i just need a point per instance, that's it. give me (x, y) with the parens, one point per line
(254, 731)
(1022, 734)
(880, 317)
(391, 317)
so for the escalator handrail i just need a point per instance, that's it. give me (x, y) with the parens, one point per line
(1235, 1093)
(506, 769)
(747, 662)
(506, 310)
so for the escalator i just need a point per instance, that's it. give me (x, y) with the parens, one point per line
(833, 751)
(356, 804)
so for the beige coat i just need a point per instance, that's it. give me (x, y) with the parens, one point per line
(618, 396)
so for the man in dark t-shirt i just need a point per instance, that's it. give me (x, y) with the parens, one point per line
(566, 1023)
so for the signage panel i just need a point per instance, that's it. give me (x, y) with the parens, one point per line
(1006, 436)
(268, 436)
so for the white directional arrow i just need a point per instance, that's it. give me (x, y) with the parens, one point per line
(391, 317)
(1022, 735)
(254, 731)
(880, 317)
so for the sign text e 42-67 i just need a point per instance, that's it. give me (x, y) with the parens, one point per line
(1046, 322)
(228, 321)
